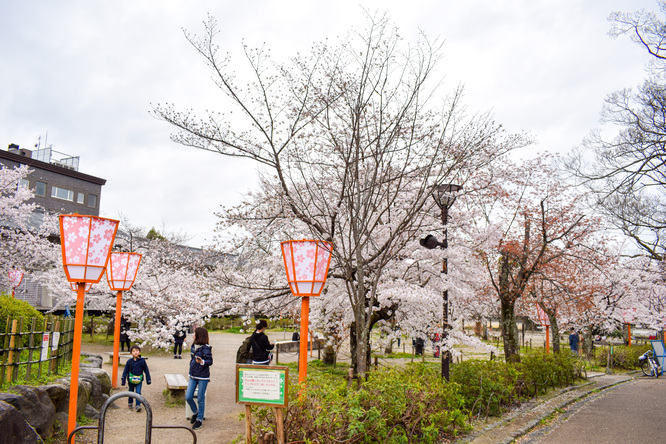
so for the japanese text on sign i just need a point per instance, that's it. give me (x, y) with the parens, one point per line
(264, 385)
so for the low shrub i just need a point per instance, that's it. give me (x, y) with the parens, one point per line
(623, 357)
(16, 308)
(412, 403)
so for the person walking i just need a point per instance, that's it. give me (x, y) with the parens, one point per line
(124, 338)
(201, 358)
(573, 341)
(135, 368)
(178, 339)
(260, 344)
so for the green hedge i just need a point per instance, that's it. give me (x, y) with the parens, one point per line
(623, 357)
(412, 403)
(16, 308)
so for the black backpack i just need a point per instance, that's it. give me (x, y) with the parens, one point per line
(244, 351)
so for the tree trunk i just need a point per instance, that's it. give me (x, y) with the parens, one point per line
(509, 330)
(588, 343)
(358, 349)
(556, 335)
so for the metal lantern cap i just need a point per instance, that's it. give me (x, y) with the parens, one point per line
(306, 263)
(86, 243)
(121, 270)
(445, 195)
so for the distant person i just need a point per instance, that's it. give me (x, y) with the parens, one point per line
(124, 338)
(178, 339)
(260, 344)
(573, 341)
(418, 344)
(135, 368)
(201, 358)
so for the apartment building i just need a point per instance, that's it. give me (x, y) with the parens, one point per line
(59, 187)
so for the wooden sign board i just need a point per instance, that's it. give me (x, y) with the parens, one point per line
(266, 385)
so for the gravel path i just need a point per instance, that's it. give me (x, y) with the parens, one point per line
(125, 426)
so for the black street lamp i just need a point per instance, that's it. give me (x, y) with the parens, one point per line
(444, 196)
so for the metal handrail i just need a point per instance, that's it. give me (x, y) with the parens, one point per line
(149, 420)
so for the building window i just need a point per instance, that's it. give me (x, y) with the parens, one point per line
(25, 183)
(79, 198)
(40, 188)
(92, 200)
(61, 193)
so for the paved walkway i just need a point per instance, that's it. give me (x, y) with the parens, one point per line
(630, 412)
(523, 420)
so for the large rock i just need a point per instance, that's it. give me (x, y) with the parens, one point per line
(91, 412)
(103, 378)
(91, 361)
(36, 407)
(82, 395)
(15, 429)
(59, 394)
(93, 388)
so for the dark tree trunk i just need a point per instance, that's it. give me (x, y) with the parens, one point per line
(509, 330)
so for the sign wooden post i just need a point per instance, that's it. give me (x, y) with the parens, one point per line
(263, 385)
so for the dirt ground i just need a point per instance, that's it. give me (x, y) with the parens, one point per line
(221, 425)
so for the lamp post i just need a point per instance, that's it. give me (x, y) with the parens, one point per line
(15, 277)
(444, 196)
(86, 242)
(306, 263)
(120, 274)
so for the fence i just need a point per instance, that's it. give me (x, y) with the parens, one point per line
(44, 348)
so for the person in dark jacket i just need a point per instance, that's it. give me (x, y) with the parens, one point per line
(260, 344)
(178, 339)
(201, 358)
(134, 371)
(124, 339)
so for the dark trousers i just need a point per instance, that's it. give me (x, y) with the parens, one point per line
(122, 345)
(178, 348)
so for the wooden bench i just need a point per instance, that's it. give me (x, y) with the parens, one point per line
(176, 386)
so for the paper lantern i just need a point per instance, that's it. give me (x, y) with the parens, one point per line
(121, 270)
(306, 263)
(15, 277)
(86, 242)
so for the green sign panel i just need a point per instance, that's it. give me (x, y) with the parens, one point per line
(262, 384)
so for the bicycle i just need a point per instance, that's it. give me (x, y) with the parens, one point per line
(649, 364)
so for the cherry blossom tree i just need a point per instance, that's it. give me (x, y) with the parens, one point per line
(530, 222)
(351, 138)
(25, 228)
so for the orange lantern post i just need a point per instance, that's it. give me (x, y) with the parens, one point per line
(15, 277)
(86, 243)
(628, 317)
(306, 263)
(545, 322)
(120, 274)
(75, 286)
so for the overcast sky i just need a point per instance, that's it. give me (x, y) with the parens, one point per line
(86, 73)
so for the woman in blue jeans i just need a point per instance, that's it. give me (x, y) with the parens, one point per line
(201, 358)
